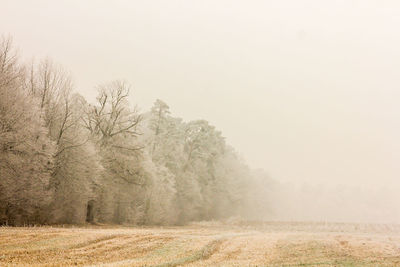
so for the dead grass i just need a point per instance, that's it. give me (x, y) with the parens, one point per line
(214, 244)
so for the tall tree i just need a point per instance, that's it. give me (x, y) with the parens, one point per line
(114, 126)
(26, 152)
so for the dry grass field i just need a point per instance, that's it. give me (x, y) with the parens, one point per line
(204, 244)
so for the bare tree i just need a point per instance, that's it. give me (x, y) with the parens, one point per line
(10, 71)
(111, 116)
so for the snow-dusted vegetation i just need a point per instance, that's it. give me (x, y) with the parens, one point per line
(64, 160)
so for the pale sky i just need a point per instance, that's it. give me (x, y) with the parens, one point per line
(307, 90)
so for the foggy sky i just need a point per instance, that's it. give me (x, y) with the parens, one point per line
(307, 90)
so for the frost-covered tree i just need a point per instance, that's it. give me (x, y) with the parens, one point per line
(114, 126)
(77, 164)
(195, 155)
(26, 152)
(52, 85)
(112, 116)
(158, 124)
(233, 177)
(160, 206)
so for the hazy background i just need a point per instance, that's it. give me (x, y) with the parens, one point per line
(307, 90)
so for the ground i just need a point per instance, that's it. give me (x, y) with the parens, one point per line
(204, 244)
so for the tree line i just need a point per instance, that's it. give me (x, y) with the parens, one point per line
(64, 160)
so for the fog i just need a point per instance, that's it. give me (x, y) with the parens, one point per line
(308, 91)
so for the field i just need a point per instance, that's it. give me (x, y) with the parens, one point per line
(204, 244)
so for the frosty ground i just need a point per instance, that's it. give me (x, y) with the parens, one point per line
(204, 244)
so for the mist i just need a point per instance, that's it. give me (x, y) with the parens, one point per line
(306, 92)
(279, 201)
